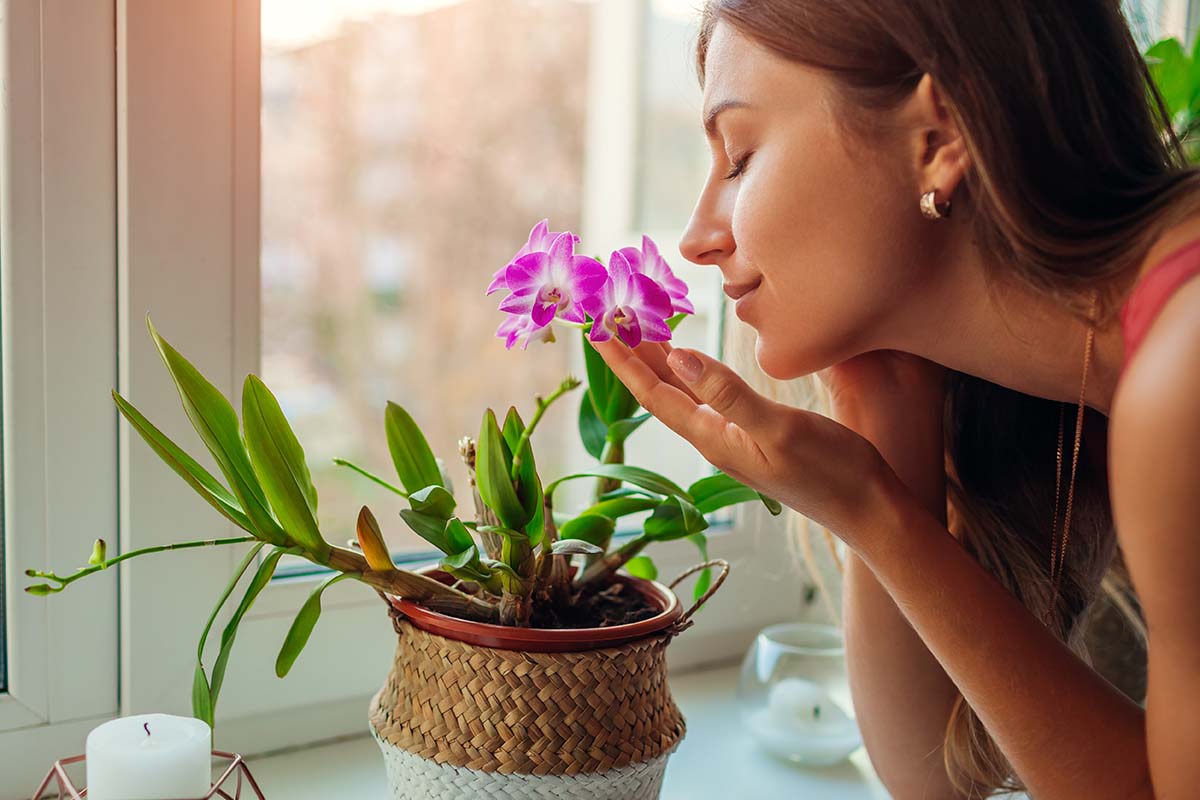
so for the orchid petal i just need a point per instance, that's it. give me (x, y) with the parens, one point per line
(518, 303)
(543, 312)
(630, 332)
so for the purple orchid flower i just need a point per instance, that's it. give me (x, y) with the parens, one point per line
(546, 284)
(630, 305)
(648, 262)
(540, 239)
(522, 330)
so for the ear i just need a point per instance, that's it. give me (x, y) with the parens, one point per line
(940, 156)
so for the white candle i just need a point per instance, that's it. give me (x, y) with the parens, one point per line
(802, 723)
(149, 757)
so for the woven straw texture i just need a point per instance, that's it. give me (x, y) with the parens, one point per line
(414, 778)
(506, 711)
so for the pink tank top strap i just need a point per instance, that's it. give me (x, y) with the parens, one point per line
(1152, 292)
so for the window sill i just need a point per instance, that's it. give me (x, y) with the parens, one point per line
(716, 759)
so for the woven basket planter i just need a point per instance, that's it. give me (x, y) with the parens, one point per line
(460, 720)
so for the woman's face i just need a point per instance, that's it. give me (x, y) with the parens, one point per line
(814, 229)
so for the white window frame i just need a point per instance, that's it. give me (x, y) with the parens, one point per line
(188, 185)
(57, 234)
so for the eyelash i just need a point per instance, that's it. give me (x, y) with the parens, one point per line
(738, 168)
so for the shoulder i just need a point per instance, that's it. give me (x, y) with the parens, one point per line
(1154, 462)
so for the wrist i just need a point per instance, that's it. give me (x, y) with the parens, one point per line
(884, 536)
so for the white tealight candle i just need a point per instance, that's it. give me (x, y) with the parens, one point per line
(802, 723)
(149, 757)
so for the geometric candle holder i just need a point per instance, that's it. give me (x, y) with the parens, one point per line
(234, 774)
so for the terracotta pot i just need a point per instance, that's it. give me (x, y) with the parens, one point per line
(545, 640)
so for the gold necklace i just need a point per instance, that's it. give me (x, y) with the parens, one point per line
(1058, 545)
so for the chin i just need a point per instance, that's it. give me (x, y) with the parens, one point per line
(785, 363)
(774, 361)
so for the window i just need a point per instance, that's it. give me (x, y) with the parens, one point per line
(58, 301)
(359, 279)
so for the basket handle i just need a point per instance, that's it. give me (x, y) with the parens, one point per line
(685, 621)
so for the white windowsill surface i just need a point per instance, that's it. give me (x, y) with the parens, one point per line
(716, 759)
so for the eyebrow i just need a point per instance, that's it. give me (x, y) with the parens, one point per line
(710, 118)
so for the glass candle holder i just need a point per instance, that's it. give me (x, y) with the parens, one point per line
(794, 694)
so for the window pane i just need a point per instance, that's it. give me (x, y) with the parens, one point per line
(673, 155)
(407, 148)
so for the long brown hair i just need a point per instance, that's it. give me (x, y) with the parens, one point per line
(1074, 173)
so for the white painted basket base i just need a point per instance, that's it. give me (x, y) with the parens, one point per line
(414, 778)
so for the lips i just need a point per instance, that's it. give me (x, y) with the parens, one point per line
(736, 290)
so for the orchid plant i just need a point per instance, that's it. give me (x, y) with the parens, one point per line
(518, 562)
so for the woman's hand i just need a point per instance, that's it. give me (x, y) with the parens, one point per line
(807, 461)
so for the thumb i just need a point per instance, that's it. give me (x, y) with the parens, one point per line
(720, 388)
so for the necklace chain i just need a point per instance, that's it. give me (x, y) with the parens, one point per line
(1058, 544)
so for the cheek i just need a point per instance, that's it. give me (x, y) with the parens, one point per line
(824, 229)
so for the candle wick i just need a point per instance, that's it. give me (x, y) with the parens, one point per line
(146, 725)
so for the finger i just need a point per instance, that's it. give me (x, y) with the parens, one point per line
(655, 355)
(700, 424)
(675, 408)
(721, 389)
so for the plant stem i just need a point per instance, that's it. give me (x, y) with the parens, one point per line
(341, 462)
(599, 571)
(84, 571)
(421, 589)
(569, 383)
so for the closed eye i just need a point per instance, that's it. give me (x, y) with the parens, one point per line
(738, 168)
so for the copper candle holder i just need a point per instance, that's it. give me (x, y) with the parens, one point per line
(236, 773)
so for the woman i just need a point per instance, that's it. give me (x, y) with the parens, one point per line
(964, 217)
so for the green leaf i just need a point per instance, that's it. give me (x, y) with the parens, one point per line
(674, 518)
(673, 322)
(259, 582)
(279, 463)
(641, 567)
(493, 466)
(612, 400)
(185, 466)
(528, 484)
(638, 476)
(535, 529)
(592, 528)
(719, 490)
(1171, 69)
(621, 430)
(415, 463)
(458, 538)
(202, 706)
(773, 505)
(213, 418)
(434, 501)
(463, 559)
(619, 507)
(429, 527)
(592, 430)
(567, 547)
(302, 626)
(705, 579)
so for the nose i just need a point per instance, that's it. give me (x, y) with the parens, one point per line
(708, 238)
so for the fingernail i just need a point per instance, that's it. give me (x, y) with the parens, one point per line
(685, 365)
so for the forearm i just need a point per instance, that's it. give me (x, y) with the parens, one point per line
(1067, 732)
(902, 696)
